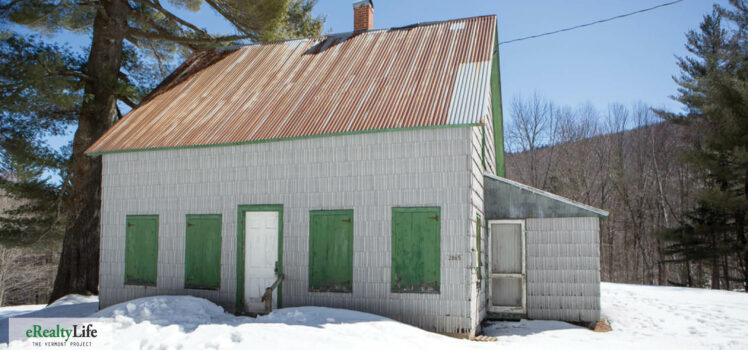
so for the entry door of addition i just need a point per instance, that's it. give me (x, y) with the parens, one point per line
(260, 257)
(508, 273)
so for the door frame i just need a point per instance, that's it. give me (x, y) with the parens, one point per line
(240, 243)
(523, 275)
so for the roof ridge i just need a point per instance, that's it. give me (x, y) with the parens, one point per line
(340, 34)
(429, 23)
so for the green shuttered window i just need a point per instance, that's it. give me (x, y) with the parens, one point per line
(141, 249)
(331, 251)
(202, 256)
(416, 239)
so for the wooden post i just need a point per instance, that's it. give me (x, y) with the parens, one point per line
(268, 296)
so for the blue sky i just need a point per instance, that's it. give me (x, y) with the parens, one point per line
(625, 61)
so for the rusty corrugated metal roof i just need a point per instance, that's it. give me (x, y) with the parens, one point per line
(417, 76)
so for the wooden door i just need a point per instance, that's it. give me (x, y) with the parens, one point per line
(260, 257)
(202, 255)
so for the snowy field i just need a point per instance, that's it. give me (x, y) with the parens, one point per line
(642, 317)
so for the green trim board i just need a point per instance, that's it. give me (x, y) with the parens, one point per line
(141, 250)
(202, 251)
(497, 110)
(240, 230)
(416, 250)
(93, 154)
(331, 251)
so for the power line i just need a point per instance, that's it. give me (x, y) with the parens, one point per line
(591, 23)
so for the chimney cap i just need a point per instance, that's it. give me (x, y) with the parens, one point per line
(361, 3)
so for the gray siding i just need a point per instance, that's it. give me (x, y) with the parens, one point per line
(477, 207)
(369, 173)
(563, 269)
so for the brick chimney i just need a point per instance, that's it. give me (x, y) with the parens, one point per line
(363, 15)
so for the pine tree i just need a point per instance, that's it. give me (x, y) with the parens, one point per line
(39, 97)
(126, 35)
(714, 89)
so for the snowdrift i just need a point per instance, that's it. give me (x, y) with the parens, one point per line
(195, 323)
(642, 317)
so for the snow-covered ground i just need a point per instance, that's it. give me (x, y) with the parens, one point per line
(642, 317)
(67, 306)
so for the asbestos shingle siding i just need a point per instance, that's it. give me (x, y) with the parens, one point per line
(477, 207)
(369, 173)
(563, 269)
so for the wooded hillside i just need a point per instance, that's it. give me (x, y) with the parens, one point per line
(625, 161)
(26, 273)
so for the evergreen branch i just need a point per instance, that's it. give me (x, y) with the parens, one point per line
(150, 22)
(66, 73)
(228, 15)
(184, 40)
(97, 5)
(158, 28)
(78, 75)
(158, 58)
(218, 8)
(157, 6)
(130, 103)
(123, 76)
(7, 6)
(133, 41)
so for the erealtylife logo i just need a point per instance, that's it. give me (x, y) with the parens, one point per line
(56, 333)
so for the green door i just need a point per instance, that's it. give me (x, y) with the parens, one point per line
(331, 251)
(141, 249)
(202, 256)
(416, 240)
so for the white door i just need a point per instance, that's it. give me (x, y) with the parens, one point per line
(507, 268)
(260, 257)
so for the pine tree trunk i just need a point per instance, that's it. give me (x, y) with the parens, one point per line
(3, 268)
(715, 273)
(78, 271)
(726, 272)
(742, 239)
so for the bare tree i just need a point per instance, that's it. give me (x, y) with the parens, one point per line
(622, 160)
(534, 125)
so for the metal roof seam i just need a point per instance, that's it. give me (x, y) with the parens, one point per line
(426, 75)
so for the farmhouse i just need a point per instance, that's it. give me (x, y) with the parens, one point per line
(359, 170)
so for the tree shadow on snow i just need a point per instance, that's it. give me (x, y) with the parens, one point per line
(189, 313)
(307, 316)
(524, 327)
(71, 310)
